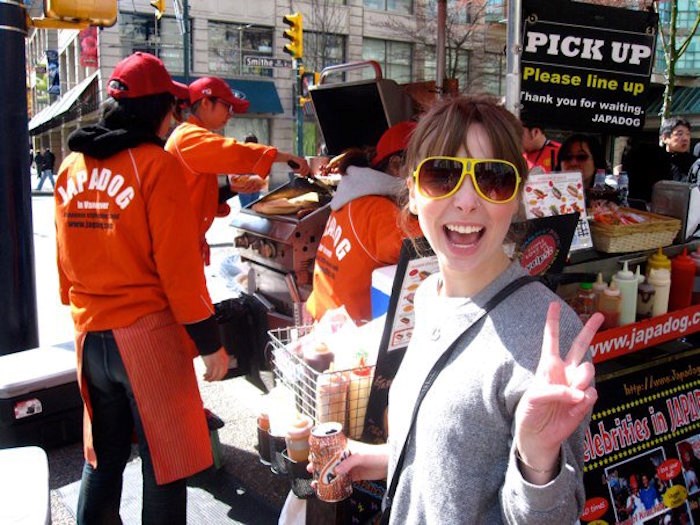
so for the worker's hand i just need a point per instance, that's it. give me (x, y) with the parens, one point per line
(298, 164)
(216, 365)
(245, 183)
(333, 165)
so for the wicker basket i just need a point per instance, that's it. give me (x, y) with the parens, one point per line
(656, 232)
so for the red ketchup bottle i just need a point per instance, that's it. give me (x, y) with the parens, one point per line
(682, 279)
(696, 287)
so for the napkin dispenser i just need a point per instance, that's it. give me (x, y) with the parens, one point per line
(675, 199)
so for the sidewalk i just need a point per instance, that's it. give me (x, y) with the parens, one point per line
(243, 490)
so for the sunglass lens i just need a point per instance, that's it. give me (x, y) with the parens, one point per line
(497, 180)
(438, 177)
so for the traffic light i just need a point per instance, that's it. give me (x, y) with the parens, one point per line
(159, 6)
(295, 35)
(96, 12)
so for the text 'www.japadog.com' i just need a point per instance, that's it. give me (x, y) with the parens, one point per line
(642, 336)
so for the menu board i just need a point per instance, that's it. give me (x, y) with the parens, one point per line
(549, 194)
(642, 448)
(413, 267)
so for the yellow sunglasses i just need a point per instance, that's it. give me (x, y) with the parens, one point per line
(495, 180)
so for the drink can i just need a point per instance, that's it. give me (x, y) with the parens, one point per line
(328, 447)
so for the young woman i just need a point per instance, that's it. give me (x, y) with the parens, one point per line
(581, 153)
(499, 436)
(129, 266)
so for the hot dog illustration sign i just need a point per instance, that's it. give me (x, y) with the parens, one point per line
(549, 194)
(586, 67)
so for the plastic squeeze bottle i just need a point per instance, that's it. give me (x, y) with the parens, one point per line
(609, 305)
(660, 279)
(682, 279)
(627, 283)
(583, 302)
(658, 260)
(598, 286)
(696, 285)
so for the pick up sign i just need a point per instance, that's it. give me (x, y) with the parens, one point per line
(586, 67)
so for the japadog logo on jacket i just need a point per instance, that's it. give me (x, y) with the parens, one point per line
(341, 245)
(102, 180)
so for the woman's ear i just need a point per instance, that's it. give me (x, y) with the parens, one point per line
(412, 208)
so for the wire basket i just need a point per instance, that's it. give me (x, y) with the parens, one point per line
(657, 231)
(338, 395)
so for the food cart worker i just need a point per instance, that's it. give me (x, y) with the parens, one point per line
(204, 153)
(538, 149)
(129, 268)
(362, 232)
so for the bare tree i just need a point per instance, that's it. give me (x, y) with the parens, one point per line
(321, 32)
(674, 45)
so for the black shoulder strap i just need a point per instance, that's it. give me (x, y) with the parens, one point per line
(437, 368)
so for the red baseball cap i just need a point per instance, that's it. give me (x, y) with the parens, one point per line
(394, 140)
(183, 92)
(218, 88)
(140, 75)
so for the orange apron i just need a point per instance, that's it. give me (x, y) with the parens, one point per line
(157, 355)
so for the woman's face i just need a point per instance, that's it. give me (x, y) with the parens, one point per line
(465, 231)
(579, 158)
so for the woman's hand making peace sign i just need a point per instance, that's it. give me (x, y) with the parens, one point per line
(557, 401)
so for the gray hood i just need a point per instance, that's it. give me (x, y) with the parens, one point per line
(359, 182)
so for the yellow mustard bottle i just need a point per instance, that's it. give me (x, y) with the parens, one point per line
(658, 261)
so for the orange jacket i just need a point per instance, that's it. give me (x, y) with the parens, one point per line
(126, 240)
(205, 155)
(360, 237)
(545, 157)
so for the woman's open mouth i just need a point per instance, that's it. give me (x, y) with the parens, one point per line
(463, 235)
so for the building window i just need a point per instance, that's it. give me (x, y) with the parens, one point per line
(323, 50)
(395, 6)
(394, 57)
(457, 65)
(162, 38)
(230, 43)
(689, 62)
(495, 10)
(241, 126)
(493, 73)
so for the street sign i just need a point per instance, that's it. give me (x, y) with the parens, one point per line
(257, 61)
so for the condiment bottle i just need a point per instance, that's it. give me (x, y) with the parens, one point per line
(583, 302)
(264, 437)
(609, 305)
(660, 279)
(358, 396)
(331, 397)
(319, 357)
(627, 283)
(598, 286)
(658, 260)
(696, 285)
(682, 279)
(297, 438)
(645, 300)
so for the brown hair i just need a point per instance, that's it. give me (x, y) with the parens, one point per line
(443, 131)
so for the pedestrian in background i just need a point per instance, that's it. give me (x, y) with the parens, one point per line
(204, 153)
(246, 198)
(48, 164)
(498, 438)
(130, 269)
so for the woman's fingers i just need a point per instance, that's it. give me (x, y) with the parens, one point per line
(583, 340)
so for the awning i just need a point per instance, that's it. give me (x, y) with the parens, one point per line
(79, 100)
(686, 101)
(261, 93)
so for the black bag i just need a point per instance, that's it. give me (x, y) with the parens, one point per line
(243, 332)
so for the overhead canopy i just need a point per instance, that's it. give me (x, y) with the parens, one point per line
(77, 101)
(261, 93)
(686, 101)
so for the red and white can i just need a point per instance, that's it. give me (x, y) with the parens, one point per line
(328, 447)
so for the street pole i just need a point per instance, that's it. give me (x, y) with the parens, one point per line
(299, 72)
(18, 314)
(186, 40)
(513, 51)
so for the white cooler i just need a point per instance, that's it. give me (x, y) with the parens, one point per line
(382, 281)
